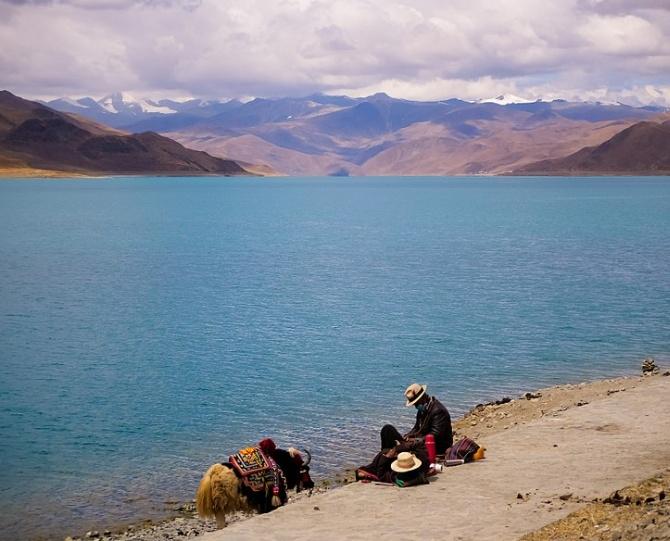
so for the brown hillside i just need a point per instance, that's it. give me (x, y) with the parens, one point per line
(499, 148)
(643, 148)
(33, 136)
(15, 110)
(490, 145)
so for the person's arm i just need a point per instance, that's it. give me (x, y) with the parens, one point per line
(438, 423)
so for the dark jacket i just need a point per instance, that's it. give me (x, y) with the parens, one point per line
(436, 421)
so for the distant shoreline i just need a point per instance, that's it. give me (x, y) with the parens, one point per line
(43, 174)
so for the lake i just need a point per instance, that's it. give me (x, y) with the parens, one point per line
(151, 326)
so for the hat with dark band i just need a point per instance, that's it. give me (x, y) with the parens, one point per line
(414, 392)
(405, 462)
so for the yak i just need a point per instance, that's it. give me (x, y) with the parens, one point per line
(254, 479)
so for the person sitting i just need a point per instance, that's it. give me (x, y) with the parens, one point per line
(431, 418)
(408, 470)
(388, 466)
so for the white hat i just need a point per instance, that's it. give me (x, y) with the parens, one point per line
(405, 462)
(414, 392)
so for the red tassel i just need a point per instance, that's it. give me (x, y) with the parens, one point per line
(276, 501)
(268, 446)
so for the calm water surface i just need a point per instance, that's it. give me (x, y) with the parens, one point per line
(150, 326)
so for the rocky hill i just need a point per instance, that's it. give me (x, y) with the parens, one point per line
(36, 137)
(643, 148)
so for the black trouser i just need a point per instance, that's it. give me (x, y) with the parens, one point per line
(390, 437)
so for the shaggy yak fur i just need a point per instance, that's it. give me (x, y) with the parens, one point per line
(221, 491)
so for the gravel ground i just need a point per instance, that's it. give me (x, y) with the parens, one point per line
(637, 513)
(187, 525)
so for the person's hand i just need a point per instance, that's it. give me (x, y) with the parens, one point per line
(391, 453)
(361, 474)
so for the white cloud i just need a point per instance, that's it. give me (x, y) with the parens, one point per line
(625, 35)
(437, 89)
(424, 49)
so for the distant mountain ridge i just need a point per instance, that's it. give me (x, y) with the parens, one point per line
(123, 110)
(374, 135)
(33, 136)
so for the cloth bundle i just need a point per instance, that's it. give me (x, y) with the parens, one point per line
(464, 449)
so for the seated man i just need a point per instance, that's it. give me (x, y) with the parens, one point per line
(431, 418)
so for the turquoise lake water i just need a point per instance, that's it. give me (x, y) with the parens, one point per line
(151, 326)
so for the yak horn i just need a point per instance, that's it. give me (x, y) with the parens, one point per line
(309, 457)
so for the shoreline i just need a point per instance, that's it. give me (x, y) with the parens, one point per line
(47, 174)
(52, 174)
(572, 445)
(479, 423)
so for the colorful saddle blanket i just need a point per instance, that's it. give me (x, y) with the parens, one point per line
(258, 472)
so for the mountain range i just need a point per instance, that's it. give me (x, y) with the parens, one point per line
(124, 111)
(374, 135)
(37, 138)
(333, 135)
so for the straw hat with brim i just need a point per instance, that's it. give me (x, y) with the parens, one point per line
(414, 392)
(405, 462)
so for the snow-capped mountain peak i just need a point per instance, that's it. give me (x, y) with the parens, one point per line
(126, 111)
(107, 103)
(506, 99)
(72, 102)
(123, 102)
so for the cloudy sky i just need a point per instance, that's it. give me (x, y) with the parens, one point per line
(416, 49)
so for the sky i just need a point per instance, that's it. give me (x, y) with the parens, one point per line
(606, 50)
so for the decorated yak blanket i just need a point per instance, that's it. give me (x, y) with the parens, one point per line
(258, 471)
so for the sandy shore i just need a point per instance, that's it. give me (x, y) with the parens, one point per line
(551, 455)
(32, 173)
